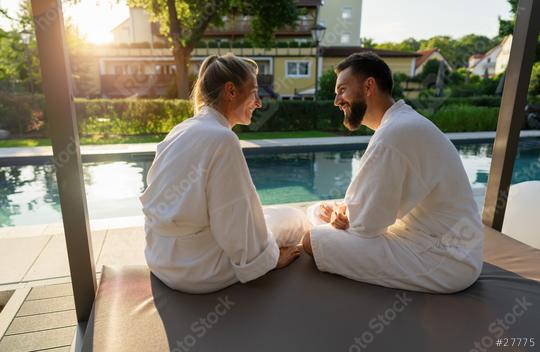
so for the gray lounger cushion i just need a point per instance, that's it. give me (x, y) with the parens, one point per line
(302, 309)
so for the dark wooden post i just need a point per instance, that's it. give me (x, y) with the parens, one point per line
(512, 111)
(57, 88)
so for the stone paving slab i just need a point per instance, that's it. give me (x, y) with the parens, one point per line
(17, 255)
(53, 260)
(123, 247)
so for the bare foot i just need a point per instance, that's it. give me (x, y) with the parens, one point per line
(287, 255)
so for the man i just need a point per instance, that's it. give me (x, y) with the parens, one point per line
(408, 219)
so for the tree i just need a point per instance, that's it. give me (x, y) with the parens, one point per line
(185, 21)
(430, 70)
(506, 27)
(19, 63)
(534, 87)
(367, 43)
(16, 58)
(409, 44)
(327, 86)
(397, 91)
(471, 44)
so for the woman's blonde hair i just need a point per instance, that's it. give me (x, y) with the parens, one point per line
(215, 71)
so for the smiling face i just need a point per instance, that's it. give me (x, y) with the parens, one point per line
(242, 101)
(350, 98)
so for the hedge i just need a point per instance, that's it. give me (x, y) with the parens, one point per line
(464, 118)
(130, 117)
(23, 114)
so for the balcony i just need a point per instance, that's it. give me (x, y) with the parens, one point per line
(241, 26)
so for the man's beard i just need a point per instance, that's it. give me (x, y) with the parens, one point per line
(354, 119)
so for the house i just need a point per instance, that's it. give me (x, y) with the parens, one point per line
(139, 62)
(493, 62)
(428, 55)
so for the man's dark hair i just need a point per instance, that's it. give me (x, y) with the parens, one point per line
(369, 64)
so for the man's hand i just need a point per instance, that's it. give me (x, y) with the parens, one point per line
(325, 211)
(287, 255)
(339, 218)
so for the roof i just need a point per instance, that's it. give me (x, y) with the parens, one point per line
(309, 3)
(120, 24)
(425, 56)
(344, 51)
(483, 56)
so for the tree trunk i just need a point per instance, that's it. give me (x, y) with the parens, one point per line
(181, 60)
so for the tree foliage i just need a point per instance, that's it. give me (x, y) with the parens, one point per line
(506, 27)
(534, 87)
(19, 63)
(327, 86)
(409, 44)
(456, 51)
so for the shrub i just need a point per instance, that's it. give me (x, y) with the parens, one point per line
(129, 117)
(327, 84)
(485, 86)
(434, 102)
(464, 118)
(534, 87)
(22, 113)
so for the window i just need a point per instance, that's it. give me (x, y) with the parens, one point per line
(345, 38)
(119, 69)
(298, 69)
(346, 14)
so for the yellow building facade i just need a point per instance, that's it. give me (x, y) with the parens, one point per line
(139, 64)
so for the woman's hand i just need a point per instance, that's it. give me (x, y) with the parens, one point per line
(339, 218)
(325, 211)
(287, 255)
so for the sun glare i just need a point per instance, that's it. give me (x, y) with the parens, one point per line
(96, 19)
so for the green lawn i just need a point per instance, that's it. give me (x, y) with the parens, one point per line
(157, 138)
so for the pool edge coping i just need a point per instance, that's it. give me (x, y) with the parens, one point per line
(112, 152)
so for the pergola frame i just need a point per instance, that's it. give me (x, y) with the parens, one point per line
(58, 91)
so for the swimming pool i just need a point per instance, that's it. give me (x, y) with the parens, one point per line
(29, 193)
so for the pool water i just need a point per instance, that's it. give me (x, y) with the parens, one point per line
(29, 194)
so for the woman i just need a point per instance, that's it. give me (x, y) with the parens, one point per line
(204, 223)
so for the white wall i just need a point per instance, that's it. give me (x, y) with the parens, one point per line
(331, 16)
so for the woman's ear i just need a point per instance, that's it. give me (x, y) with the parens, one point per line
(230, 90)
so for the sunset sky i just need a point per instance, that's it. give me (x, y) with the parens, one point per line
(382, 20)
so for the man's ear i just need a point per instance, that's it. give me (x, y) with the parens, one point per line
(370, 86)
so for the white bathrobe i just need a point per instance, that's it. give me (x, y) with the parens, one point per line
(204, 224)
(414, 223)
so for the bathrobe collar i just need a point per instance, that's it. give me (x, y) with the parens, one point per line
(215, 115)
(394, 108)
